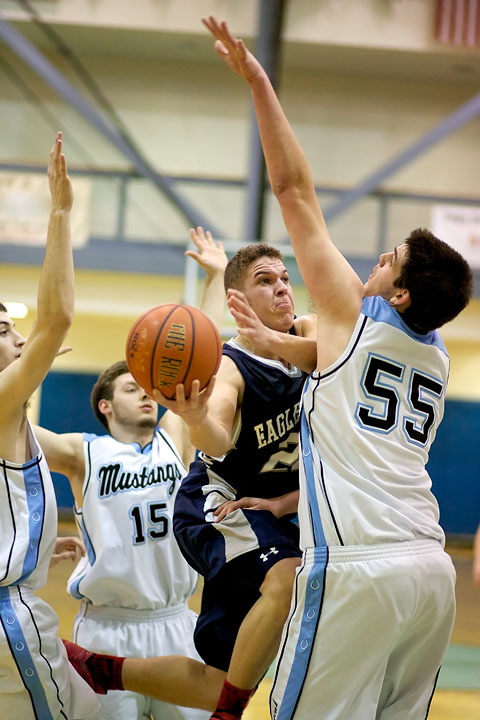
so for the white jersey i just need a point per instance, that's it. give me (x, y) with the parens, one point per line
(133, 560)
(367, 425)
(36, 679)
(28, 519)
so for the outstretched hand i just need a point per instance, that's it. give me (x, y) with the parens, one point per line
(210, 256)
(253, 332)
(232, 50)
(61, 190)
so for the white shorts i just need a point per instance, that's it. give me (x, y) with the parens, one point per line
(36, 678)
(366, 634)
(138, 633)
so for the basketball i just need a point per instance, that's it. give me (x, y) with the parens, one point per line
(172, 344)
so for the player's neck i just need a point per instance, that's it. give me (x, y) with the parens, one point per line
(128, 435)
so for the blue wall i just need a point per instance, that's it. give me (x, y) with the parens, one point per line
(454, 459)
(454, 467)
(65, 407)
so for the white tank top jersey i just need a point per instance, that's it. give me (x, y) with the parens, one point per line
(368, 422)
(133, 559)
(28, 519)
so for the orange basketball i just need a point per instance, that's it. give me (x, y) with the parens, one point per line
(173, 344)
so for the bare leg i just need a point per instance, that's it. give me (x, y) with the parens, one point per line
(259, 635)
(174, 679)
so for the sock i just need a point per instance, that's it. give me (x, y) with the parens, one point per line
(232, 702)
(101, 672)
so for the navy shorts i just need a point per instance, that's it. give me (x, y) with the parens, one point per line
(233, 562)
(208, 546)
(228, 597)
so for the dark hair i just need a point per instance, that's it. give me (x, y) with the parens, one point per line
(103, 388)
(3, 308)
(241, 261)
(438, 278)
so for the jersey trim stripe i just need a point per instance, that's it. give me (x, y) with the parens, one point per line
(23, 660)
(318, 534)
(54, 682)
(172, 447)
(7, 487)
(35, 494)
(314, 595)
(88, 471)
(307, 433)
(379, 309)
(321, 375)
(433, 692)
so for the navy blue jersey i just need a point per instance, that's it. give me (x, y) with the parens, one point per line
(264, 459)
(235, 554)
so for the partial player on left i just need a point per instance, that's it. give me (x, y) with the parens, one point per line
(36, 678)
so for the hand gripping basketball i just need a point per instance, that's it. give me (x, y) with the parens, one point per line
(172, 344)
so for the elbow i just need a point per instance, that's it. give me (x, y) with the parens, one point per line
(284, 185)
(58, 324)
(64, 320)
(290, 190)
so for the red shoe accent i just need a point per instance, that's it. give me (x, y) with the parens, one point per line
(101, 672)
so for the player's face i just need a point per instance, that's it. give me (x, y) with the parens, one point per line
(130, 405)
(384, 274)
(11, 342)
(267, 288)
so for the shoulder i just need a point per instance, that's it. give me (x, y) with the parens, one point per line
(306, 326)
(228, 371)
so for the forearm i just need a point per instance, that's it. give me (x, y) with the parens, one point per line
(286, 163)
(210, 437)
(55, 301)
(213, 299)
(286, 504)
(298, 351)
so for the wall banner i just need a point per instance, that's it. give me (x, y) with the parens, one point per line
(459, 226)
(25, 209)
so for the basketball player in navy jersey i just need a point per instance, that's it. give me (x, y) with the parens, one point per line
(374, 596)
(234, 512)
(134, 583)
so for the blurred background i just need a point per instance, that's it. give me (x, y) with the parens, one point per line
(384, 96)
(159, 136)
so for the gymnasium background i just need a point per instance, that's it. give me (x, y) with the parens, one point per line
(361, 80)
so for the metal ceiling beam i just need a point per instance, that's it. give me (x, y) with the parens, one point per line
(43, 67)
(268, 53)
(450, 124)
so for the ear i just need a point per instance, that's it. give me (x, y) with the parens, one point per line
(401, 300)
(105, 406)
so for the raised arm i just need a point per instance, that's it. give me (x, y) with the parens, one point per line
(212, 258)
(55, 295)
(332, 283)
